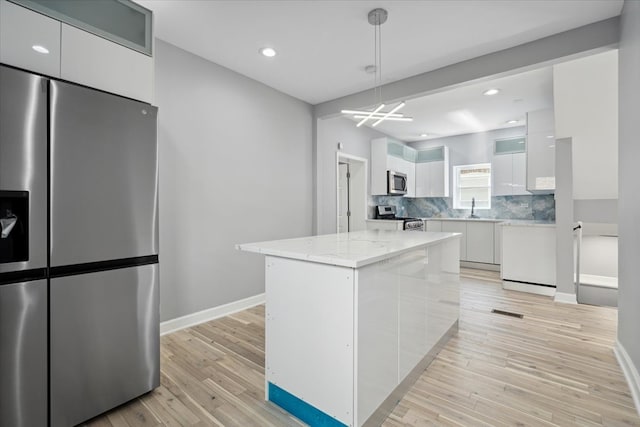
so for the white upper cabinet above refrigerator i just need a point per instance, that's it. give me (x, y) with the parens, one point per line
(73, 41)
(95, 62)
(29, 40)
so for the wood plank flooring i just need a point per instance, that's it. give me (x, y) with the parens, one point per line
(553, 367)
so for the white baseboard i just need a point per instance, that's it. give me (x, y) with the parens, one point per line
(480, 265)
(526, 287)
(192, 319)
(565, 298)
(630, 372)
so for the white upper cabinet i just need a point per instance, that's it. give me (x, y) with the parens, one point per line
(509, 167)
(387, 154)
(432, 172)
(96, 62)
(541, 154)
(20, 31)
(105, 45)
(427, 170)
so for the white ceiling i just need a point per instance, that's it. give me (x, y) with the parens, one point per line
(467, 110)
(323, 46)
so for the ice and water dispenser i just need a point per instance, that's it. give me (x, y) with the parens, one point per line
(14, 229)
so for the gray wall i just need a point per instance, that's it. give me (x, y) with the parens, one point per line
(564, 217)
(596, 210)
(629, 186)
(235, 166)
(356, 142)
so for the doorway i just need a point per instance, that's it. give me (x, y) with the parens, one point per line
(351, 193)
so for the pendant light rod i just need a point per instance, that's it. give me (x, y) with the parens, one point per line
(377, 17)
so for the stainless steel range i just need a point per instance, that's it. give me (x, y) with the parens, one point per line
(388, 212)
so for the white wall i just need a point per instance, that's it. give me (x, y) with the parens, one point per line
(356, 142)
(629, 200)
(235, 166)
(585, 95)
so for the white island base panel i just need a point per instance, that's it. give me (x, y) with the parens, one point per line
(344, 344)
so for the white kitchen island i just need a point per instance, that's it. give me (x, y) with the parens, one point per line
(352, 319)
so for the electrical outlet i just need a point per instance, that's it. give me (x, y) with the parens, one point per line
(524, 205)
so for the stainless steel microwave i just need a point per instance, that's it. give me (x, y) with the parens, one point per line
(396, 183)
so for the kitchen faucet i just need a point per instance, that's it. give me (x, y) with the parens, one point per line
(473, 206)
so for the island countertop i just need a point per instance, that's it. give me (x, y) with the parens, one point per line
(355, 249)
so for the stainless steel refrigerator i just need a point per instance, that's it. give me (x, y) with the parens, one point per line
(83, 184)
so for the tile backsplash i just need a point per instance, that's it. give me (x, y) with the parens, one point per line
(530, 207)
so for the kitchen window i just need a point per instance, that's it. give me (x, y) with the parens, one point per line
(472, 182)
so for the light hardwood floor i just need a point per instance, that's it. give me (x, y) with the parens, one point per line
(553, 367)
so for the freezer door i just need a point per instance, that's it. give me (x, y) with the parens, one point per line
(23, 354)
(23, 170)
(104, 178)
(105, 341)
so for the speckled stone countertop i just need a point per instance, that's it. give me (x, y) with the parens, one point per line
(354, 250)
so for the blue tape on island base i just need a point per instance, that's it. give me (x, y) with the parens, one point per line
(300, 409)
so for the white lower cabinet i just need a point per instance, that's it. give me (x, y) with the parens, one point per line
(480, 240)
(433, 225)
(480, 246)
(497, 244)
(381, 224)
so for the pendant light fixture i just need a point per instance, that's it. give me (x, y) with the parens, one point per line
(377, 17)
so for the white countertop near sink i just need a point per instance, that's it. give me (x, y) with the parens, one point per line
(465, 219)
(355, 249)
(526, 223)
(503, 222)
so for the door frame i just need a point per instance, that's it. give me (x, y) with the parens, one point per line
(351, 159)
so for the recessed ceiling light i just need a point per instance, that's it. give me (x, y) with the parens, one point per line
(40, 49)
(549, 136)
(424, 135)
(268, 52)
(490, 92)
(510, 122)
